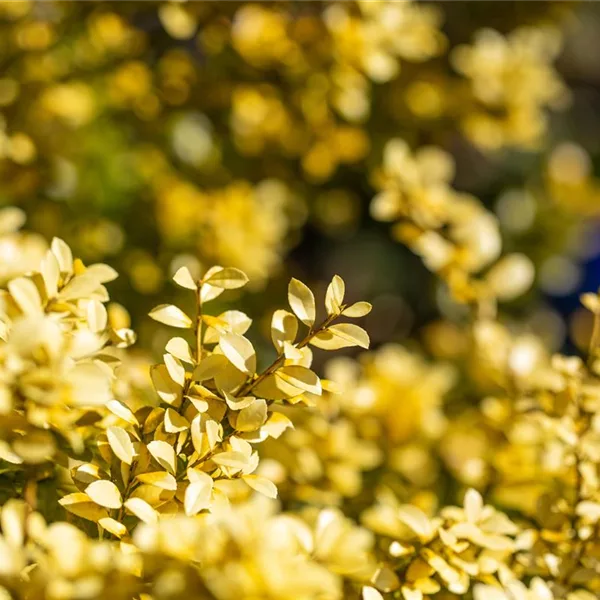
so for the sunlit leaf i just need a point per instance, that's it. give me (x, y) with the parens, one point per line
(239, 351)
(262, 485)
(105, 493)
(168, 314)
(334, 295)
(120, 443)
(184, 279)
(228, 278)
(341, 335)
(302, 302)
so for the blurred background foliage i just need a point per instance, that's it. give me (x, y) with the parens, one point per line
(151, 135)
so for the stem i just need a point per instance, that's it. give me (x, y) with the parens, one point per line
(30, 492)
(246, 389)
(198, 328)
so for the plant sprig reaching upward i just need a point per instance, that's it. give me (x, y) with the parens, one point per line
(186, 453)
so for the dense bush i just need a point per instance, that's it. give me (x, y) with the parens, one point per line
(457, 458)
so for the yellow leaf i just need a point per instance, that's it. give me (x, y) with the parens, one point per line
(50, 274)
(168, 314)
(112, 526)
(273, 387)
(118, 408)
(167, 390)
(334, 295)
(105, 493)
(239, 351)
(102, 273)
(174, 422)
(81, 286)
(358, 309)
(214, 432)
(179, 348)
(276, 424)
(159, 479)
(489, 592)
(184, 279)
(385, 579)
(238, 403)
(342, 335)
(416, 519)
(86, 473)
(231, 459)
(63, 255)
(369, 593)
(210, 367)
(233, 321)
(175, 369)
(81, 504)
(300, 377)
(262, 485)
(164, 454)
(411, 594)
(209, 292)
(284, 328)
(227, 279)
(142, 510)
(97, 317)
(25, 293)
(591, 302)
(198, 493)
(291, 352)
(120, 443)
(252, 417)
(302, 302)
(199, 437)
